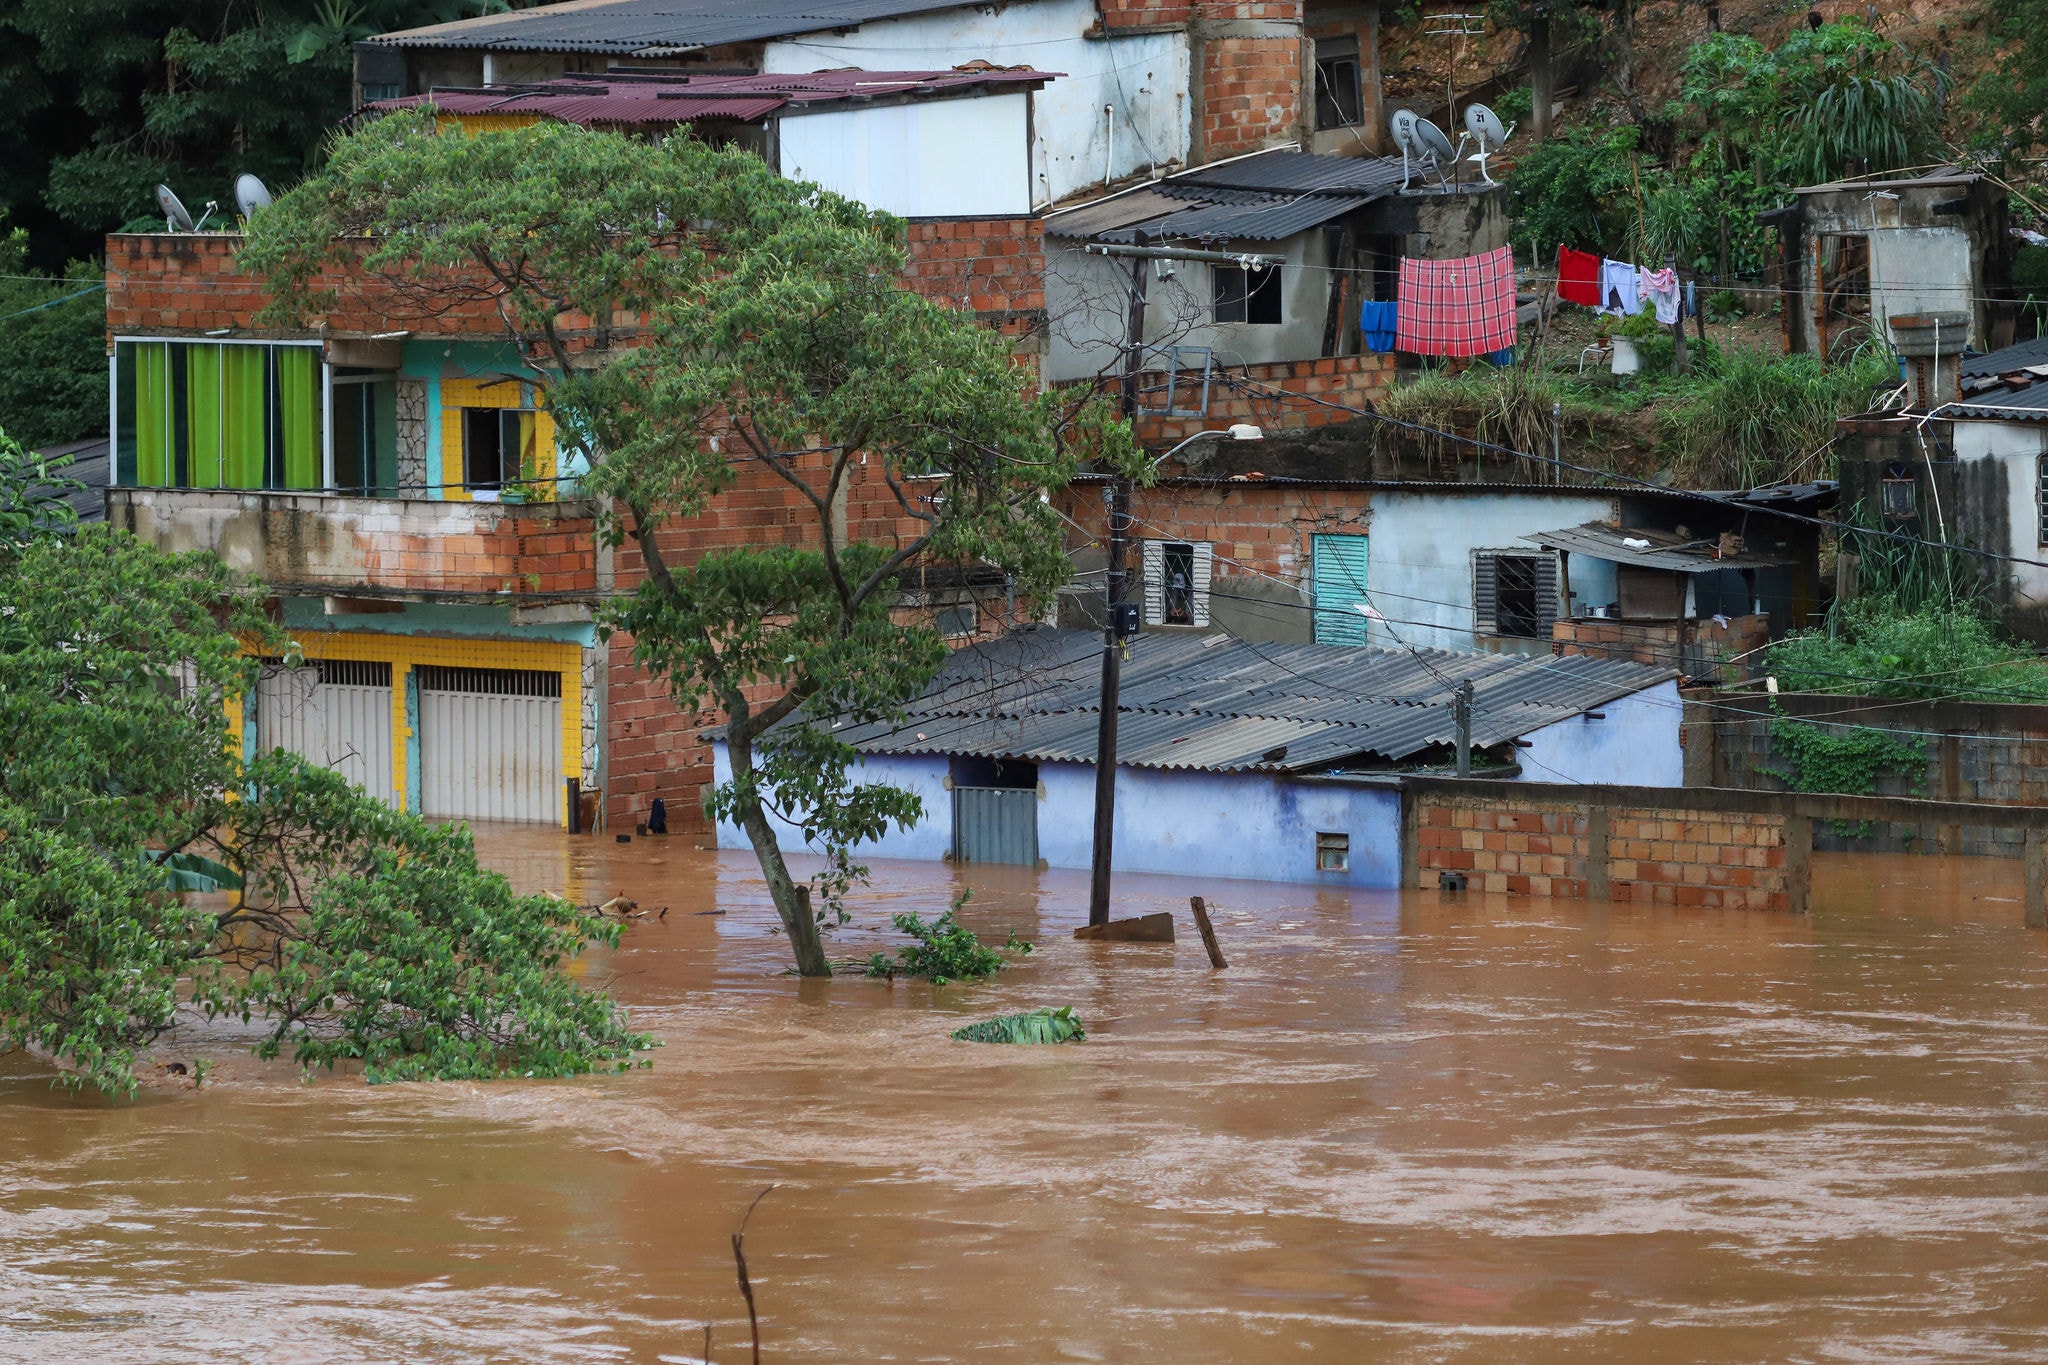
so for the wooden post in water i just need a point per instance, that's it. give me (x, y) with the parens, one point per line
(1798, 862)
(2037, 878)
(1208, 932)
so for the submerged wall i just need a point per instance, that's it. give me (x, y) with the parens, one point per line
(1240, 826)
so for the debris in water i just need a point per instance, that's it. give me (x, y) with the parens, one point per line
(1035, 1026)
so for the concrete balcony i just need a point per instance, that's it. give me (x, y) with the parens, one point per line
(536, 556)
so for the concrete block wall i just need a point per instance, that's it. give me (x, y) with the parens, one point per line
(1530, 846)
(1276, 396)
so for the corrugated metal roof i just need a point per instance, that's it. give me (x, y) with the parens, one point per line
(2006, 359)
(1598, 540)
(1287, 172)
(89, 466)
(651, 28)
(1270, 220)
(2009, 384)
(679, 99)
(1224, 705)
(1263, 198)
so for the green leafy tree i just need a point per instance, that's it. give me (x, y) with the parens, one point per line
(769, 337)
(53, 337)
(354, 931)
(2010, 97)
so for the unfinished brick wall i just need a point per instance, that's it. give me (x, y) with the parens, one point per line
(1656, 642)
(992, 266)
(1250, 94)
(1277, 395)
(1266, 530)
(1524, 844)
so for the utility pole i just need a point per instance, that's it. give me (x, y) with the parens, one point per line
(1122, 618)
(1462, 710)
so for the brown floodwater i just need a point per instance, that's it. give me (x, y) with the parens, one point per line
(1413, 1129)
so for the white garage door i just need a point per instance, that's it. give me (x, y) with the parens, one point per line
(491, 744)
(333, 712)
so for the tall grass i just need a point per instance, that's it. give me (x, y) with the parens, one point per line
(1747, 418)
(1510, 406)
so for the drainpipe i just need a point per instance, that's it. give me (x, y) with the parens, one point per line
(1108, 141)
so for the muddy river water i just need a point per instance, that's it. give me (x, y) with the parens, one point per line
(1414, 1129)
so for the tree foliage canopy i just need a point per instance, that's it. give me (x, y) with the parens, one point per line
(354, 932)
(762, 333)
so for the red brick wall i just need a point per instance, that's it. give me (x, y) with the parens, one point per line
(1277, 396)
(994, 266)
(1525, 844)
(1265, 530)
(1251, 96)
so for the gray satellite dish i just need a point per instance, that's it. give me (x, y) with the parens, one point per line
(251, 194)
(1485, 127)
(174, 211)
(1436, 149)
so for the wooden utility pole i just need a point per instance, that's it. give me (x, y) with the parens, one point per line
(1680, 362)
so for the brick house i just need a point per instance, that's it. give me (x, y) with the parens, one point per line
(392, 474)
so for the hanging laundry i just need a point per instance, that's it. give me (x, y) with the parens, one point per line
(1578, 277)
(1618, 293)
(1502, 357)
(1459, 307)
(1377, 322)
(1660, 287)
(1692, 299)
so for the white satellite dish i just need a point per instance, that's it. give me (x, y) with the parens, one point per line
(1485, 127)
(1403, 129)
(1436, 149)
(174, 210)
(251, 194)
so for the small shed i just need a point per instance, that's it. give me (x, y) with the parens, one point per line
(1241, 760)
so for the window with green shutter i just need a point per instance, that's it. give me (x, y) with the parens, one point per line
(1340, 601)
(208, 414)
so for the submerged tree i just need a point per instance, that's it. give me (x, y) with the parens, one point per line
(353, 932)
(745, 330)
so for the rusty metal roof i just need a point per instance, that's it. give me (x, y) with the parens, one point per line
(1219, 704)
(651, 28)
(1654, 549)
(639, 100)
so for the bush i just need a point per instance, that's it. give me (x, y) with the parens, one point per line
(944, 950)
(53, 360)
(1575, 189)
(1747, 417)
(1937, 651)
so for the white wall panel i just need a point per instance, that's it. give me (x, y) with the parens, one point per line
(944, 158)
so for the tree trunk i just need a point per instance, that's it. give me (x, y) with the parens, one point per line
(1542, 80)
(790, 903)
(1625, 50)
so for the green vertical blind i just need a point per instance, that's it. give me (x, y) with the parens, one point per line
(1340, 590)
(197, 414)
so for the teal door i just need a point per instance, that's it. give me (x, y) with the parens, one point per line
(1339, 564)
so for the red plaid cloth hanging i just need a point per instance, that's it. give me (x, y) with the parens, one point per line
(1461, 307)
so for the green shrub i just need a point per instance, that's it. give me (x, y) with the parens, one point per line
(1748, 417)
(1873, 648)
(1033, 1026)
(943, 950)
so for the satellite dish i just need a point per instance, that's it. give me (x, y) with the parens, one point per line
(174, 211)
(251, 194)
(1403, 128)
(1434, 149)
(1485, 127)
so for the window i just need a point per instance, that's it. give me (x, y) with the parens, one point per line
(1247, 295)
(1513, 594)
(956, 619)
(1338, 102)
(1341, 605)
(192, 414)
(1333, 853)
(497, 446)
(365, 432)
(1177, 575)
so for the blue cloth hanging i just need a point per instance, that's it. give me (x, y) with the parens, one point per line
(1378, 322)
(1502, 357)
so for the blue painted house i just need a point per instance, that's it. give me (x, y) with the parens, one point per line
(1236, 759)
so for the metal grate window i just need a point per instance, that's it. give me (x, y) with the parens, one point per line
(1514, 594)
(501, 682)
(344, 672)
